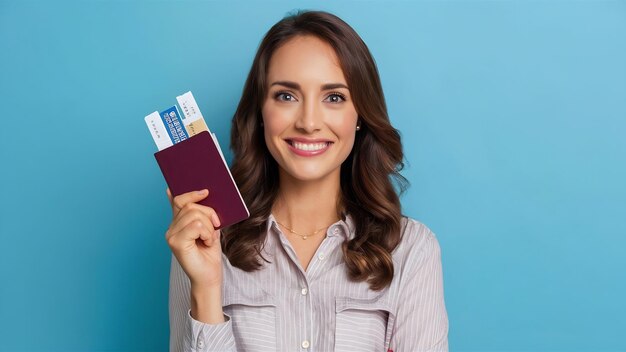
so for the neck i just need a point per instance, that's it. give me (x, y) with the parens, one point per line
(306, 206)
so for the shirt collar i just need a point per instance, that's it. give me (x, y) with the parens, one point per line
(345, 227)
(271, 222)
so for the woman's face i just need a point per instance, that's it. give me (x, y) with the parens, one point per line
(310, 120)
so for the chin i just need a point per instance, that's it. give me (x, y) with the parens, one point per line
(300, 176)
(308, 175)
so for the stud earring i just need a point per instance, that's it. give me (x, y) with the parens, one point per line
(358, 127)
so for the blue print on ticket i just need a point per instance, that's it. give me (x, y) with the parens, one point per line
(173, 124)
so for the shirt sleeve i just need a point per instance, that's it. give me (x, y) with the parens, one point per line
(186, 333)
(421, 319)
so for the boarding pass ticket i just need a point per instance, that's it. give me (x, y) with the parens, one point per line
(177, 123)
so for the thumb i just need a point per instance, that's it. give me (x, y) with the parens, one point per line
(218, 237)
(190, 197)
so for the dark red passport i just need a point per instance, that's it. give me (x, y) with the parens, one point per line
(195, 164)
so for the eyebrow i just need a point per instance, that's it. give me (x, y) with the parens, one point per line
(294, 85)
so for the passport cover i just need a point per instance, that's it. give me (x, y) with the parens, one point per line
(195, 164)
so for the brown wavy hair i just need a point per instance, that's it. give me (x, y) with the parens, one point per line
(370, 178)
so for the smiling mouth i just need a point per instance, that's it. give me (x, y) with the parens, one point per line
(309, 147)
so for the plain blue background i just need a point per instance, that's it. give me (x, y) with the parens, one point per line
(513, 117)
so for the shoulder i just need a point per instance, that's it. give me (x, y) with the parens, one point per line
(418, 243)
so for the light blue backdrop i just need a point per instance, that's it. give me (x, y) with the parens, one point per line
(513, 116)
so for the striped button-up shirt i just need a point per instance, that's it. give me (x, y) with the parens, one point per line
(284, 308)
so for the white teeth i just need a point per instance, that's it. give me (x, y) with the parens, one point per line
(309, 146)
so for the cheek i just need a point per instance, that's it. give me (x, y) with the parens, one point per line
(275, 122)
(345, 126)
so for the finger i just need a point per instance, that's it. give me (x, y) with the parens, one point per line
(187, 237)
(169, 194)
(208, 211)
(207, 236)
(190, 197)
(185, 218)
(218, 235)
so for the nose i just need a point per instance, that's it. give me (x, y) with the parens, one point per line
(309, 117)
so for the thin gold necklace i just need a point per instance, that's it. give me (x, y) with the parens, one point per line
(304, 237)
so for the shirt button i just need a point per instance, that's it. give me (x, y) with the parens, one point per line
(321, 256)
(304, 291)
(200, 344)
(305, 344)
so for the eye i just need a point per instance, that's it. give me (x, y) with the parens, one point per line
(336, 97)
(284, 96)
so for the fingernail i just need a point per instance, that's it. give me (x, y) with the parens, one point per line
(216, 220)
(201, 192)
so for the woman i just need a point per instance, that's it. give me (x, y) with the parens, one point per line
(326, 261)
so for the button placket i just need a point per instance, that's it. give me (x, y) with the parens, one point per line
(305, 318)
